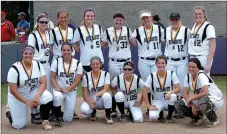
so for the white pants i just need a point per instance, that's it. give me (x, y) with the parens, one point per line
(115, 68)
(103, 102)
(137, 113)
(161, 105)
(181, 69)
(146, 67)
(19, 110)
(48, 72)
(69, 103)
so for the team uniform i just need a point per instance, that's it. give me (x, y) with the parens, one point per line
(176, 51)
(59, 37)
(102, 102)
(207, 104)
(65, 76)
(159, 87)
(199, 46)
(129, 97)
(41, 46)
(119, 49)
(90, 46)
(149, 47)
(27, 87)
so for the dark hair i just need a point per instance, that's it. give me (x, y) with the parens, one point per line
(120, 15)
(156, 18)
(67, 43)
(41, 16)
(161, 57)
(197, 62)
(96, 58)
(129, 63)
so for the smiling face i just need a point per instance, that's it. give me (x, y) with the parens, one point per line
(146, 20)
(192, 68)
(128, 70)
(42, 23)
(66, 51)
(118, 22)
(89, 17)
(63, 18)
(95, 65)
(161, 64)
(27, 56)
(199, 15)
(175, 23)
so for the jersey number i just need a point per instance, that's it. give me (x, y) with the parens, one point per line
(156, 45)
(180, 48)
(70, 81)
(197, 43)
(123, 45)
(133, 97)
(97, 44)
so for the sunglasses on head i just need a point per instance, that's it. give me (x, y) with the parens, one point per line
(43, 22)
(127, 69)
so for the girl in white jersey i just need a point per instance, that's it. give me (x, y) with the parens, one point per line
(95, 86)
(148, 39)
(27, 89)
(164, 86)
(62, 34)
(87, 38)
(207, 97)
(125, 90)
(202, 42)
(66, 73)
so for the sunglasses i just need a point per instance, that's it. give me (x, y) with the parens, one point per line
(43, 22)
(127, 69)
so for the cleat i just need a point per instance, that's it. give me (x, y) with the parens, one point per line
(76, 116)
(113, 114)
(36, 118)
(196, 122)
(212, 124)
(58, 122)
(46, 125)
(123, 118)
(109, 120)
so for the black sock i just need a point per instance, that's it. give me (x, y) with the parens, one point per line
(45, 110)
(121, 107)
(170, 111)
(161, 114)
(149, 97)
(108, 112)
(113, 104)
(57, 111)
(93, 112)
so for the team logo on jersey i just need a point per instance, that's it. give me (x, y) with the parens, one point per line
(61, 41)
(31, 81)
(63, 74)
(88, 38)
(97, 89)
(155, 38)
(197, 91)
(130, 92)
(165, 89)
(177, 41)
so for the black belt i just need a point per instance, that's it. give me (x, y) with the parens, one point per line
(146, 58)
(43, 62)
(120, 60)
(176, 59)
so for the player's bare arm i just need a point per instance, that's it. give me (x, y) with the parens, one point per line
(133, 42)
(86, 98)
(212, 43)
(42, 87)
(105, 89)
(53, 81)
(76, 46)
(104, 44)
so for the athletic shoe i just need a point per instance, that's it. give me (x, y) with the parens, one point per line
(109, 120)
(75, 116)
(93, 117)
(123, 118)
(113, 114)
(177, 115)
(58, 122)
(168, 120)
(212, 124)
(46, 125)
(52, 117)
(8, 115)
(196, 122)
(36, 118)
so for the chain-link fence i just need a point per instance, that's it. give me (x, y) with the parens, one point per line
(216, 12)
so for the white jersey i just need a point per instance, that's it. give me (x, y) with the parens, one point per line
(134, 85)
(60, 40)
(199, 43)
(65, 77)
(177, 46)
(90, 45)
(154, 83)
(153, 48)
(118, 41)
(88, 82)
(41, 50)
(202, 80)
(26, 84)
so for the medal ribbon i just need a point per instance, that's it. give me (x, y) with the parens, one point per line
(194, 82)
(93, 33)
(148, 38)
(29, 73)
(162, 83)
(174, 36)
(62, 35)
(197, 27)
(117, 38)
(69, 68)
(95, 81)
(128, 84)
(44, 39)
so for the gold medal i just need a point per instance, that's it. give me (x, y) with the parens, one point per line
(64, 37)
(197, 27)
(88, 34)
(67, 72)
(95, 81)
(148, 37)
(27, 71)
(128, 84)
(162, 83)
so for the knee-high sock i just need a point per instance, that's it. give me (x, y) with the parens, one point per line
(121, 107)
(45, 110)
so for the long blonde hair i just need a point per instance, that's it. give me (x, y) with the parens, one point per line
(37, 20)
(58, 14)
(85, 11)
(203, 10)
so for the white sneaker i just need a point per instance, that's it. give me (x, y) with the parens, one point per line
(212, 124)
(46, 125)
(109, 121)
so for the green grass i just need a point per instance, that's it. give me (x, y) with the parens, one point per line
(220, 81)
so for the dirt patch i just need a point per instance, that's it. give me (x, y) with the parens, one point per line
(84, 126)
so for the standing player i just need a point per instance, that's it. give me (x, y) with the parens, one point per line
(117, 38)
(27, 89)
(87, 38)
(148, 39)
(40, 40)
(66, 73)
(126, 87)
(207, 97)
(95, 91)
(202, 43)
(61, 34)
(164, 86)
